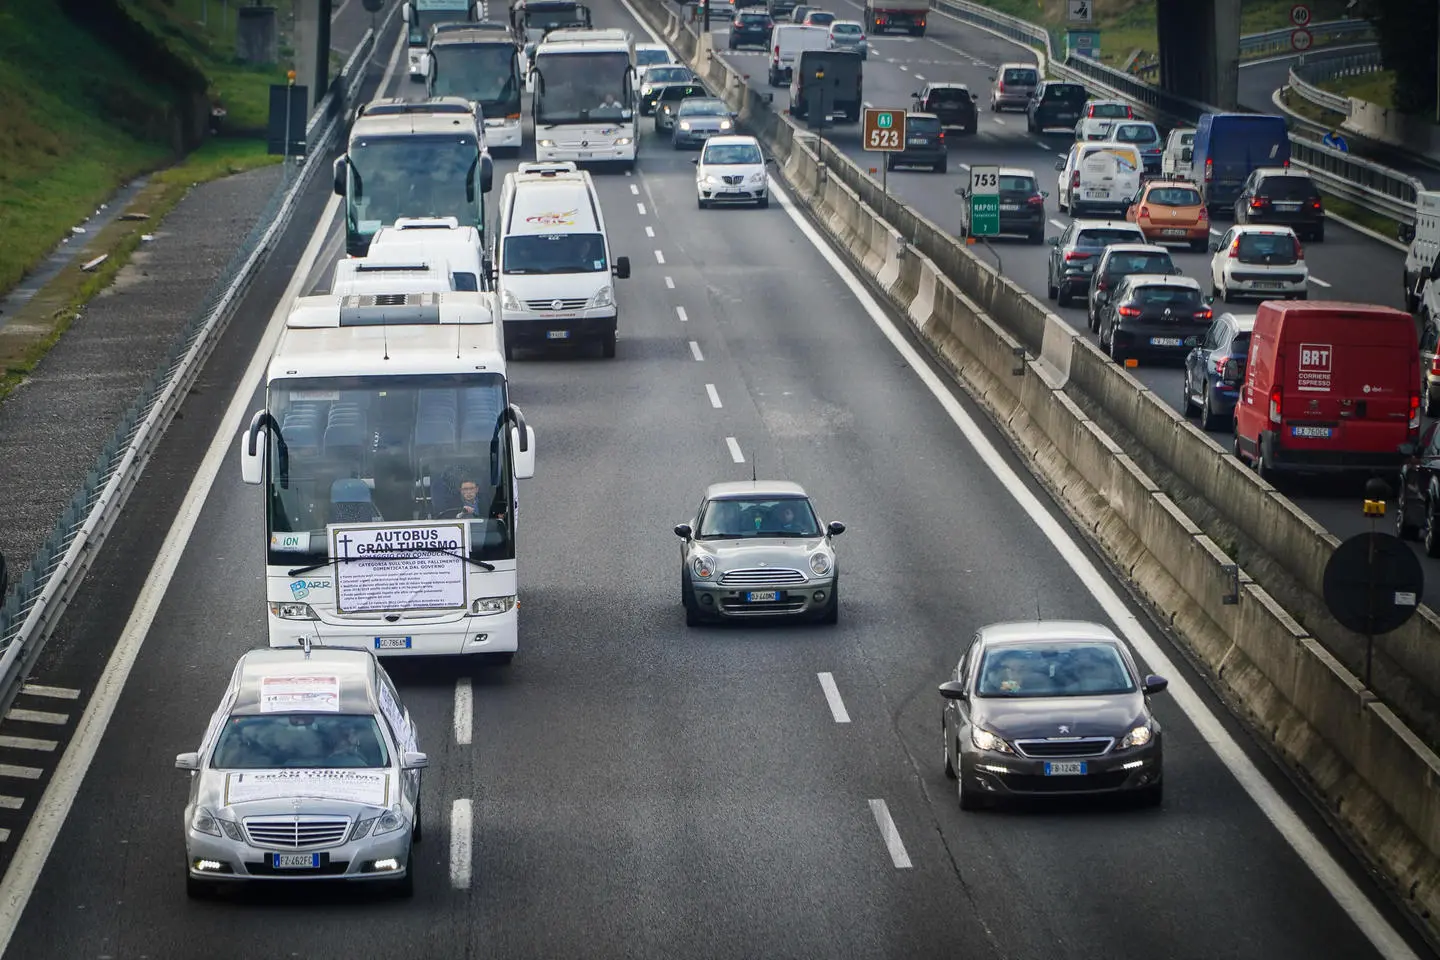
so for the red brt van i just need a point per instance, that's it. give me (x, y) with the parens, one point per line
(1328, 387)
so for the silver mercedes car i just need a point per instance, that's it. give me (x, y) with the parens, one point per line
(309, 770)
(1050, 708)
(755, 549)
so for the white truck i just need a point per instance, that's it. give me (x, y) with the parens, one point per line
(787, 42)
(883, 16)
(1424, 239)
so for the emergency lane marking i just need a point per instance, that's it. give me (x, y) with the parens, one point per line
(695, 352)
(734, 446)
(634, 190)
(59, 693)
(832, 697)
(4, 835)
(20, 773)
(464, 710)
(1319, 283)
(670, 283)
(640, 207)
(891, 835)
(11, 803)
(460, 846)
(659, 257)
(714, 395)
(28, 743)
(37, 716)
(680, 312)
(649, 231)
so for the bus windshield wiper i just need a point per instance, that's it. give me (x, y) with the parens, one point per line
(487, 567)
(483, 565)
(323, 563)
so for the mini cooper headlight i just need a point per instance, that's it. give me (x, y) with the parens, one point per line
(704, 566)
(820, 563)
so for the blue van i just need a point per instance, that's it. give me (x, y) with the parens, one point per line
(1230, 145)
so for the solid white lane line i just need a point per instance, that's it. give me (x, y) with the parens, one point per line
(735, 453)
(37, 716)
(58, 693)
(335, 14)
(464, 710)
(1386, 939)
(649, 231)
(680, 312)
(28, 743)
(11, 803)
(1058, 224)
(1319, 283)
(670, 283)
(905, 68)
(21, 773)
(634, 189)
(893, 843)
(714, 395)
(832, 697)
(641, 207)
(695, 352)
(460, 846)
(659, 257)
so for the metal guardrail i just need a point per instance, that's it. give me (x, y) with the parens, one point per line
(45, 588)
(1278, 41)
(1339, 174)
(1303, 78)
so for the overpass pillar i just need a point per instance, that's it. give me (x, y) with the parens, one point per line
(312, 47)
(1200, 50)
(1226, 52)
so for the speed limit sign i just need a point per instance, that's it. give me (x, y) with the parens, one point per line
(883, 130)
(1300, 15)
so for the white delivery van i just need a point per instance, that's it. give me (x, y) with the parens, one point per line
(787, 41)
(1099, 178)
(1424, 240)
(1175, 161)
(435, 240)
(553, 267)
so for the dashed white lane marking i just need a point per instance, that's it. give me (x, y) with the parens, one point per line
(893, 843)
(998, 120)
(714, 395)
(695, 352)
(649, 231)
(629, 173)
(1059, 224)
(670, 283)
(1319, 283)
(460, 816)
(659, 257)
(964, 166)
(635, 190)
(59, 693)
(832, 697)
(464, 710)
(28, 743)
(4, 835)
(905, 68)
(20, 773)
(868, 104)
(919, 76)
(640, 207)
(1215, 233)
(36, 716)
(1042, 144)
(735, 453)
(11, 803)
(680, 312)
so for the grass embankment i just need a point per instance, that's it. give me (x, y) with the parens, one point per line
(1129, 25)
(1377, 88)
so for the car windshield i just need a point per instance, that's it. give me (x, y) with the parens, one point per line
(681, 91)
(555, 253)
(950, 95)
(1174, 196)
(1104, 236)
(731, 154)
(747, 519)
(1182, 297)
(1013, 184)
(1288, 188)
(704, 108)
(818, 19)
(1113, 110)
(1059, 668)
(1272, 247)
(1127, 263)
(1136, 133)
(849, 29)
(755, 19)
(644, 58)
(271, 741)
(667, 75)
(922, 124)
(1020, 75)
(1065, 93)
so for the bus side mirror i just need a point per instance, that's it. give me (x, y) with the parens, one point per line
(522, 452)
(253, 444)
(405, 12)
(487, 174)
(340, 167)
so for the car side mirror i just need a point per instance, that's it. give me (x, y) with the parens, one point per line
(1154, 684)
(914, 96)
(992, 78)
(187, 761)
(953, 690)
(769, 161)
(622, 268)
(974, 98)
(522, 452)
(1209, 298)
(1053, 241)
(684, 531)
(414, 760)
(254, 444)
(834, 528)
(1045, 193)
(1060, 165)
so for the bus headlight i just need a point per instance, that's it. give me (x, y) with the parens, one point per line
(622, 142)
(287, 610)
(489, 606)
(547, 143)
(512, 302)
(604, 297)
(646, 89)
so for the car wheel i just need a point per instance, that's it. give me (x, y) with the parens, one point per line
(942, 166)
(1209, 419)
(404, 888)
(1062, 296)
(1432, 534)
(1199, 246)
(945, 749)
(1187, 404)
(993, 107)
(831, 614)
(1318, 236)
(702, 203)
(1227, 295)
(687, 599)
(1403, 530)
(1038, 237)
(763, 202)
(607, 346)
(1432, 407)
(967, 799)
(417, 832)
(1051, 291)
(502, 659)
(509, 350)
(198, 889)
(1116, 352)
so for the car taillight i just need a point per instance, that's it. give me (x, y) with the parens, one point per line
(777, 49)
(1220, 365)
(1299, 250)
(1144, 211)
(1074, 255)
(1315, 204)
(1204, 313)
(1275, 405)
(1414, 410)
(1128, 311)
(942, 134)
(1075, 180)
(1235, 249)
(1435, 365)
(1204, 214)
(1000, 86)
(1036, 201)
(1257, 202)
(1209, 164)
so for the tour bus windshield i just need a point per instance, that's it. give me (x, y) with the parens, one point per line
(580, 87)
(484, 72)
(414, 176)
(553, 14)
(423, 18)
(555, 253)
(367, 449)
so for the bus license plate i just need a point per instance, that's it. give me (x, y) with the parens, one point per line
(294, 861)
(558, 335)
(762, 596)
(1317, 433)
(1065, 768)
(392, 643)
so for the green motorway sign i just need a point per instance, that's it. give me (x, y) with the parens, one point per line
(984, 217)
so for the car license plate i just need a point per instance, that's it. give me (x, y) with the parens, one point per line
(1287, 206)
(1009, 207)
(585, 154)
(1173, 233)
(1317, 433)
(916, 143)
(1166, 342)
(762, 596)
(392, 643)
(294, 861)
(1065, 768)
(1267, 285)
(558, 335)
(1097, 194)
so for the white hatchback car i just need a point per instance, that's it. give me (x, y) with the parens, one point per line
(1254, 260)
(1093, 128)
(732, 170)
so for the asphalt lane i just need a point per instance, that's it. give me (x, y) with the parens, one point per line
(1347, 266)
(642, 789)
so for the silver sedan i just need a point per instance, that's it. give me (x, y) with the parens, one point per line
(757, 548)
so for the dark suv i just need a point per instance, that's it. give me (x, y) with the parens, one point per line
(953, 103)
(751, 29)
(1055, 104)
(1417, 514)
(1157, 316)
(1118, 261)
(780, 9)
(1284, 196)
(1074, 252)
(1022, 204)
(924, 144)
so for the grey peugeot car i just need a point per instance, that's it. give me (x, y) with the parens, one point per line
(756, 548)
(1050, 708)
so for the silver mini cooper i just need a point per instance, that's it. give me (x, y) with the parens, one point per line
(754, 549)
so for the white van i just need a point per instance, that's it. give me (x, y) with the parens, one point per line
(1175, 161)
(787, 41)
(441, 241)
(1099, 177)
(552, 259)
(1424, 239)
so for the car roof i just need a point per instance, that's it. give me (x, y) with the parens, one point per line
(1017, 63)
(1094, 100)
(1162, 280)
(733, 140)
(1017, 172)
(1243, 322)
(742, 489)
(1020, 630)
(917, 115)
(1170, 183)
(1281, 172)
(947, 85)
(1107, 225)
(1241, 228)
(693, 101)
(1136, 248)
(848, 23)
(348, 668)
